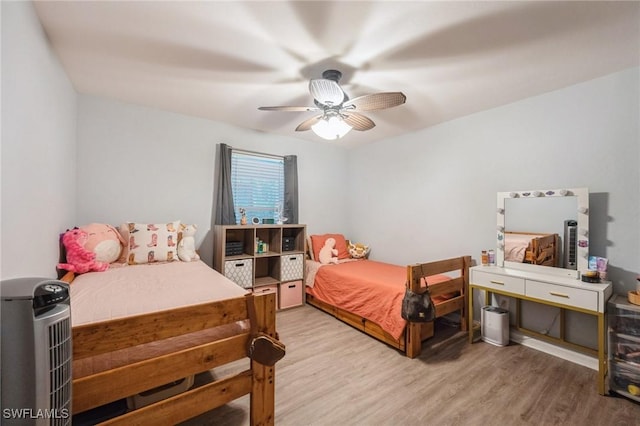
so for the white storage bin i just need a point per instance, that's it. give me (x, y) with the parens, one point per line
(292, 267)
(240, 272)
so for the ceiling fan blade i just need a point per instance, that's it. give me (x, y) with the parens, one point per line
(287, 108)
(377, 101)
(358, 121)
(327, 92)
(306, 124)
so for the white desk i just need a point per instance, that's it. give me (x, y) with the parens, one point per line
(562, 292)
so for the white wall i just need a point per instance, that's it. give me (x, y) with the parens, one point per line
(432, 194)
(142, 164)
(38, 147)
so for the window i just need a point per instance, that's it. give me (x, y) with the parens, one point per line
(257, 183)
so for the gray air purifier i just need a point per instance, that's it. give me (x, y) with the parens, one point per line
(36, 352)
(570, 244)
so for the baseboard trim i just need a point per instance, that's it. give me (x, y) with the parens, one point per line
(555, 350)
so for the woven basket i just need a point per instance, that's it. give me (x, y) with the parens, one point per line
(634, 297)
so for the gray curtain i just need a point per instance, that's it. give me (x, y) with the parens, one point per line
(225, 212)
(290, 209)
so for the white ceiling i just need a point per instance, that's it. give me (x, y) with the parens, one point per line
(221, 60)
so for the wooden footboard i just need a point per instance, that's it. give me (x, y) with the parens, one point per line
(411, 341)
(457, 286)
(98, 389)
(543, 250)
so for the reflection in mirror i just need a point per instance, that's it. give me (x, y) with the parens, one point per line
(544, 230)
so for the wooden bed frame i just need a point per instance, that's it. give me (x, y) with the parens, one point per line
(543, 250)
(112, 385)
(410, 343)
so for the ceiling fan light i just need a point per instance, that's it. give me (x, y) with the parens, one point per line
(331, 128)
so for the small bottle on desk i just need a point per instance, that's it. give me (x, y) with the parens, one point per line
(492, 258)
(485, 258)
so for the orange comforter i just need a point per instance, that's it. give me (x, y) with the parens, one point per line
(370, 289)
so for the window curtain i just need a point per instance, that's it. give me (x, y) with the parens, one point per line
(225, 212)
(290, 209)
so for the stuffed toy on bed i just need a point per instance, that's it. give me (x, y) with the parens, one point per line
(79, 259)
(328, 253)
(358, 250)
(187, 245)
(104, 240)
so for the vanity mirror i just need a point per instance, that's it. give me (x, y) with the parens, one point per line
(545, 231)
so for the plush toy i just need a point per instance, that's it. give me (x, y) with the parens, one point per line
(79, 259)
(328, 253)
(358, 250)
(105, 241)
(187, 245)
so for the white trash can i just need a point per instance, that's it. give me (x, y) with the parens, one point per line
(495, 325)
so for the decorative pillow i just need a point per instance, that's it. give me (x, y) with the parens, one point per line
(317, 242)
(152, 242)
(358, 250)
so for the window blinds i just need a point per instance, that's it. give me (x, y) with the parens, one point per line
(257, 182)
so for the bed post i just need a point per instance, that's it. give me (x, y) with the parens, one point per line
(263, 387)
(413, 345)
(464, 272)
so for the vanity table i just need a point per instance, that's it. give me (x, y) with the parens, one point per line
(552, 286)
(565, 293)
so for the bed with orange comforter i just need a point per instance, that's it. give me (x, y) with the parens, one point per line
(368, 295)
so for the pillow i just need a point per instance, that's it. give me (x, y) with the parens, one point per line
(358, 250)
(152, 242)
(317, 242)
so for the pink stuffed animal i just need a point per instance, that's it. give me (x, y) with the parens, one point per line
(79, 259)
(328, 253)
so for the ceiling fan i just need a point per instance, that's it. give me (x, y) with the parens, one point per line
(339, 114)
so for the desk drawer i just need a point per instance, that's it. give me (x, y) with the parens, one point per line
(498, 282)
(569, 296)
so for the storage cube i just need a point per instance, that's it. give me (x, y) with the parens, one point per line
(292, 267)
(240, 272)
(267, 289)
(290, 294)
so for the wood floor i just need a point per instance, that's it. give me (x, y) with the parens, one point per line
(335, 375)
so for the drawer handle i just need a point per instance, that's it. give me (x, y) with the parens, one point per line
(237, 265)
(292, 258)
(497, 282)
(553, 293)
(292, 286)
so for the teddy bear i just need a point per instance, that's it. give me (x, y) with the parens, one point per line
(79, 259)
(328, 253)
(187, 245)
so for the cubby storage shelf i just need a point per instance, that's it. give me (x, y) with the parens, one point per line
(263, 258)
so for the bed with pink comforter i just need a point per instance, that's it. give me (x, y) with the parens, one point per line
(139, 327)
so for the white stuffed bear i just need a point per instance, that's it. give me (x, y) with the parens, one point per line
(187, 245)
(328, 253)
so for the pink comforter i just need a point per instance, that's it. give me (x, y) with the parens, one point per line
(370, 289)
